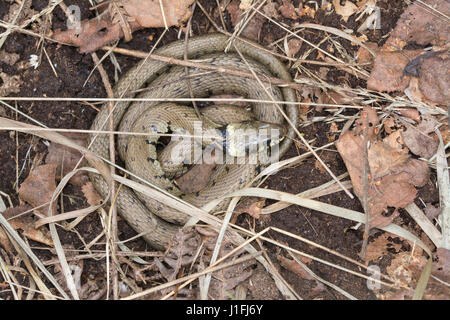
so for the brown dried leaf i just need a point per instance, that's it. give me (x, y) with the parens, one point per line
(364, 56)
(24, 14)
(379, 247)
(434, 78)
(133, 15)
(383, 158)
(431, 211)
(271, 10)
(67, 158)
(441, 264)
(27, 224)
(91, 195)
(345, 10)
(293, 266)
(411, 113)
(253, 28)
(287, 10)
(406, 267)
(294, 46)
(9, 58)
(181, 252)
(387, 73)
(369, 116)
(250, 206)
(10, 84)
(225, 282)
(39, 186)
(422, 25)
(393, 174)
(418, 140)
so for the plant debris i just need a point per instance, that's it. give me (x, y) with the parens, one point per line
(39, 186)
(253, 28)
(67, 158)
(9, 84)
(396, 66)
(393, 174)
(120, 18)
(27, 224)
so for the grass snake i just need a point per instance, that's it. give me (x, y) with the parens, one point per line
(161, 80)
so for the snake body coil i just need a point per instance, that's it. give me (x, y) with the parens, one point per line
(158, 221)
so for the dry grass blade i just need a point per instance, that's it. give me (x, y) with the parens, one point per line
(63, 262)
(337, 32)
(31, 254)
(443, 181)
(423, 281)
(226, 220)
(193, 276)
(424, 222)
(326, 208)
(304, 266)
(5, 273)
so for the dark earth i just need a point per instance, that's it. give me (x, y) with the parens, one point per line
(74, 68)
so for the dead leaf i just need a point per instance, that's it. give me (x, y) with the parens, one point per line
(293, 266)
(250, 206)
(377, 248)
(253, 28)
(418, 25)
(441, 264)
(39, 186)
(67, 158)
(22, 13)
(393, 173)
(91, 195)
(9, 58)
(387, 73)
(406, 267)
(293, 46)
(364, 56)
(133, 15)
(271, 10)
(431, 211)
(9, 84)
(346, 10)
(287, 10)
(417, 138)
(411, 113)
(434, 78)
(26, 223)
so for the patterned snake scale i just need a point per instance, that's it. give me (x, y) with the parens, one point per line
(161, 80)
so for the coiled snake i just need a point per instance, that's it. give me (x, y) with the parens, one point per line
(158, 221)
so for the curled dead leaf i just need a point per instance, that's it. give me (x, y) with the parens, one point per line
(417, 138)
(253, 27)
(38, 187)
(9, 84)
(67, 158)
(387, 73)
(346, 10)
(393, 173)
(287, 10)
(91, 195)
(133, 15)
(26, 223)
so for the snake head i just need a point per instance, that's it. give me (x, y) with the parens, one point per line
(250, 137)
